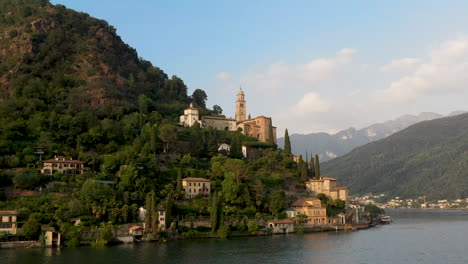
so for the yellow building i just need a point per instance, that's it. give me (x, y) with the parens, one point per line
(328, 187)
(8, 222)
(62, 165)
(195, 186)
(314, 210)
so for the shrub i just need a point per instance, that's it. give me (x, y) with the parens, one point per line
(253, 227)
(300, 230)
(223, 232)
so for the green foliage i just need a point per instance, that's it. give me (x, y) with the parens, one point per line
(199, 97)
(373, 211)
(276, 203)
(13, 33)
(26, 179)
(252, 227)
(287, 144)
(31, 230)
(151, 216)
(224, 232)
(106, 235)
(300, 230)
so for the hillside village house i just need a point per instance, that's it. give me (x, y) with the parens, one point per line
(62, 165)
(328, 187)
(195, 186)
(225, 148)
(314, 210)
(162, 218)
(8, 222)
(258, 127)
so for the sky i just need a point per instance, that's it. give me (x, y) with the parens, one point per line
(313, 66)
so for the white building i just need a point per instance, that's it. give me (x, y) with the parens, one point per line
(190, 117)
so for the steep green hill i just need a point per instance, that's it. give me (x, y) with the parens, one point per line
(70, 84)
(429, 158)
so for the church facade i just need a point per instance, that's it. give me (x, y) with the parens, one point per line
(260, 127)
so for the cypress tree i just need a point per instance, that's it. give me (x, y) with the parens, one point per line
(287, 144)
(151, 217)
(317, 167)
(214, 212)
(169, 205)
(179, 184)
(312, 167)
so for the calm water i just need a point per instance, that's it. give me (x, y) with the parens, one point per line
(415, 236)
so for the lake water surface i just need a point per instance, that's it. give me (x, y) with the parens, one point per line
(415, 236)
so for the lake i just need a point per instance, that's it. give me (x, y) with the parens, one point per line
(415, 236)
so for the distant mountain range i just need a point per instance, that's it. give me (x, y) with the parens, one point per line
(329, 146)
(429, 158)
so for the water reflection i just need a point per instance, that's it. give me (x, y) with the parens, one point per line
(416, 236)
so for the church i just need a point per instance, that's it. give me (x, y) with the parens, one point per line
(258, 127)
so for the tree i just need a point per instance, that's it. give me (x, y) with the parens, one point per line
(230, 188)
(217, 109)
(178, 191)
(199, 97)
(31, 229)
(151, 216)
(215, 211)
(317, 167)
(236, 149)
(168, 134)
(303, 170)
(128, 174)
(276, 203)
(287, 144)
(252, 227)
(169, 206)
(26, 179)
(312, 167)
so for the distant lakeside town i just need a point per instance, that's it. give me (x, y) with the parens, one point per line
(382, 201)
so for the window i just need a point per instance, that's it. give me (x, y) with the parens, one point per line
(189, 184)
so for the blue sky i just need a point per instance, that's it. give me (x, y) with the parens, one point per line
(313, 66)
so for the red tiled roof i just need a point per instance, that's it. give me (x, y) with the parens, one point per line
(281, 221)
(135, 228)
(218, 118)
(195, 179)
(14, 212)
(63, 161)
(302, 202)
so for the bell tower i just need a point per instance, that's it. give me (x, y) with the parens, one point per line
(241, 108)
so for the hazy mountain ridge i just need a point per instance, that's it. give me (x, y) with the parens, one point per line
(429, 158)
(329, 146)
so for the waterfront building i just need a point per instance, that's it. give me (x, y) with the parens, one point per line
(314, 210)
(195, 186)
(328, 187)
(8, 222)
(281, 226)
(62, 165)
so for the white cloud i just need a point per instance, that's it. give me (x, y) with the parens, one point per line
(223, 76)
(310, 103)
(279, 76)
(399, 65)
(443, 73)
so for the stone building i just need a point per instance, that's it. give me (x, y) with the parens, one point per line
(8, 222)
(62, 165)
(314, 210)
(258, 127)
(195, 186)
(328, 187)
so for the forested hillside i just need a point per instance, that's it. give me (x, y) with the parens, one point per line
(71, 87)
(429, 158)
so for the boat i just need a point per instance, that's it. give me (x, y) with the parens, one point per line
(385, 219)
